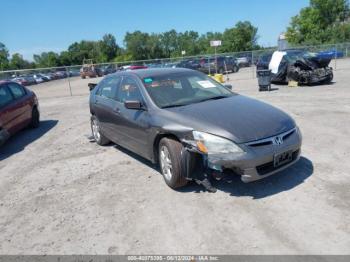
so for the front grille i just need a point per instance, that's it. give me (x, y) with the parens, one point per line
(269, 167)
(269, 140)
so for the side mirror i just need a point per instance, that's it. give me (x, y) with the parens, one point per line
(133, 104)
(228, 86)
(92, 86)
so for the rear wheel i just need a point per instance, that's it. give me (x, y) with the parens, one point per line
(35, 122)
(96, 132)
(170, 162)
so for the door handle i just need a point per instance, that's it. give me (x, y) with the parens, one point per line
(116, 110)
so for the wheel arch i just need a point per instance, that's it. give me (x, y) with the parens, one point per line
(156, 141)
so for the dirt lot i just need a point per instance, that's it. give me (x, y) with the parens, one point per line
(61, 194)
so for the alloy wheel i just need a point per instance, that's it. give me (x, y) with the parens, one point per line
(165, 163)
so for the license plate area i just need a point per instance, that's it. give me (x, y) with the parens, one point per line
(282, 158)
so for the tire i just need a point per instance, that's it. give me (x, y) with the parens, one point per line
(235, 69)
(82, 77)
(96, 132)
(35, 121)
(329, 79)
(170, 150)
(221, 71)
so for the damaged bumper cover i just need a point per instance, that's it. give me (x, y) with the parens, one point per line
(256, 162)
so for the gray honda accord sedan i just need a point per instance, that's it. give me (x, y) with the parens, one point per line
(194, 127)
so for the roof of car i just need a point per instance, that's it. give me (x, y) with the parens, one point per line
(152, 72)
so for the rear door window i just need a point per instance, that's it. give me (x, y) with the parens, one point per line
(5, 96)
(16, 90)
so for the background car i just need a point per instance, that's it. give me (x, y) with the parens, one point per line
(133, 67)
(39, 78)
(191, 63)
(108, 69)
(19, 108)
(30, 79)
(221, 65)
(330, 54)
(244, 61)
(20, 80)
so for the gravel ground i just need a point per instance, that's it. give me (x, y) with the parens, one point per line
(62, 194)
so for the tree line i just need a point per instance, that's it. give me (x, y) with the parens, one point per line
(138, 46)
(322, 22)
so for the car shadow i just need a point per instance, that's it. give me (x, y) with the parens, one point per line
(136, 157)
(277, 183)
(19, 141)
(280, 182)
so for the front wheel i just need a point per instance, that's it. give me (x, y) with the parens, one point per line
(170, 162)
(96, 132)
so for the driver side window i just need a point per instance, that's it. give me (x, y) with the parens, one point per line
(108, 87)
(129, 90)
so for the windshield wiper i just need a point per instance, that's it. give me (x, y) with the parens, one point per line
(174, 105)
(212, 98)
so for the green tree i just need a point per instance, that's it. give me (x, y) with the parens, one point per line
(242, 37)
(169, 42)
(17, 62)
(65, 58)
(47, 59)
(136, 45)
(204, 42)
(4, 57)
(108, 47)
(323, 21)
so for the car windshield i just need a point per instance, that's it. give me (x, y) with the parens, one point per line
(293, 56)
(180, 89)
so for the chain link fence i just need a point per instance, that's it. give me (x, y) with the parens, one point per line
(73, 80)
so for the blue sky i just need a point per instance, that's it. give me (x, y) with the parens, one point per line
(30, 27)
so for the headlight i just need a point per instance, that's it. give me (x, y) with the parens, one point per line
(210, 144)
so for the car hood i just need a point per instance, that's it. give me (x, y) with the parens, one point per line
(238, 118)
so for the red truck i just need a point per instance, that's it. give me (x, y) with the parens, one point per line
(19, 108)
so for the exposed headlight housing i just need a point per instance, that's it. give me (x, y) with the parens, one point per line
(210, 144)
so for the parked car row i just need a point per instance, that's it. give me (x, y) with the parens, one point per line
(207, 65)
(37, 78)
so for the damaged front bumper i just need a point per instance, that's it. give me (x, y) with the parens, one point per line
(257, 162)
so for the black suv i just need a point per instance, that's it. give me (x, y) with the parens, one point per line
(221, 65)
